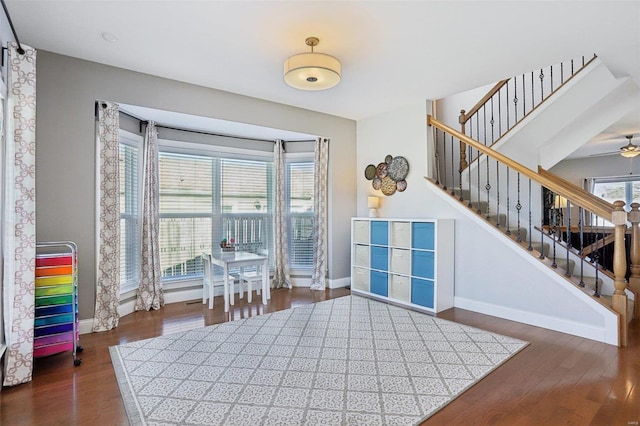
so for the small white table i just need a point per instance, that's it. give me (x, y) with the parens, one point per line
(240, 259)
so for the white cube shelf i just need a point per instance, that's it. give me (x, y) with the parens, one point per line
(404, 261)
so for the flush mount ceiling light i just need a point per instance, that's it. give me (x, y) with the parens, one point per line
(630, 150)
(312, 71)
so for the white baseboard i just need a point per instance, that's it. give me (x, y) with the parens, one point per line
(538, 320)
(339, 283)
(85, 326)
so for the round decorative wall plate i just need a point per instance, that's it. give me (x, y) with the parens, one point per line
(389, 176)
(370, 172)
(398, 168)
(381, 170)
(389, 186)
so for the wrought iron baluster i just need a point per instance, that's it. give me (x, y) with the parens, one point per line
(554, 230)
(484, 123)
(515, 101)
(437, 157)
(572, 67)
(581, 230)
(497, 193)
(541, 77)
(568, 241)
(551, 77)
(507, 106)
(508, 205)
(530, 233)
(518, 208)
(487, 186)
(492, 123)
(453, 179)
(469, 204)
(499, 114)
(524, 97)
(561, 73)
(583, 60)
(444, 160)
(542, 216)
(597, 260)
(533, 102)
(461, 198)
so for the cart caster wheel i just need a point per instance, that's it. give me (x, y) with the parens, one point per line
(79, 349)
(77, 362)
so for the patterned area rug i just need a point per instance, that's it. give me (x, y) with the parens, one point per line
(346, 361)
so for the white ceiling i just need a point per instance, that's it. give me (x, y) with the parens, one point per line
(393, 53)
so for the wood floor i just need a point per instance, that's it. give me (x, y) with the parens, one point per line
(557, 380)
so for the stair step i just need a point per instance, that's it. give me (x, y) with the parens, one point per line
(545, 246)
(562, 264)
(590, 283)
(498, 218)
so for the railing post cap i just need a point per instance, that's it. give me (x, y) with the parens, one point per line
(635, 206)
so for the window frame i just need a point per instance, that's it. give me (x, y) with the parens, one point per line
(136, 141)
(292, 158)
(217, 154)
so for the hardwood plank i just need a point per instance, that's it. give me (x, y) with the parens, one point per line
(557, 379)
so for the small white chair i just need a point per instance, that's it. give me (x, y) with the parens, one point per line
(209, 281)
(251, 277)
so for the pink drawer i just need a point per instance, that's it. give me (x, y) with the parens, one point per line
(53, 339)
(52, 349)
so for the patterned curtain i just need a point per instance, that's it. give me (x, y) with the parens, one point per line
(281, 276)
(321, 162)
(108, 221)
(150, 293)
(19, 241)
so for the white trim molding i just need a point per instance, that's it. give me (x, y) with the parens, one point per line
(606, 334)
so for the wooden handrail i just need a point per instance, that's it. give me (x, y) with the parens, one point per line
(574, 188)
(466, 116)
(587, 201)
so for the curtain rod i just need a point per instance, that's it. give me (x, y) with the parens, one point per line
(13, 30)
(202, 132)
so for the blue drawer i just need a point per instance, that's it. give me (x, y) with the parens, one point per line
(422, 292)
(380, 258)
(379, 283)
(53, 310)
(423, 236)
(422, 264)
(380, 232)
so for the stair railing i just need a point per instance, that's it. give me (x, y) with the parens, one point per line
(503, 192)
(513, 99)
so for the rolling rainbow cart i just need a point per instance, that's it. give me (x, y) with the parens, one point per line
(56, 318)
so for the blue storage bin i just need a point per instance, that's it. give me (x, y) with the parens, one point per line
(422, 264)
(379, 283)
(423, 236)
(380, 232)
(380, 258)
(422, 292)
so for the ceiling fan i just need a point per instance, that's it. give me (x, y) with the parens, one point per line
(630, 150)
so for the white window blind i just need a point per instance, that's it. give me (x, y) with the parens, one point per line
(300, 211)
(186, 208)
(129, 245)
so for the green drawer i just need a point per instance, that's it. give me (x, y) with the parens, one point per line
(54, 300)
(54, 290)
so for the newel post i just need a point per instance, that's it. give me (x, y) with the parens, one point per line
(634, 279)
(619, 298)
(462, 119)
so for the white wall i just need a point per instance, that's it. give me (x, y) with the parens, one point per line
(492, 275)
(401, 132)
(67, 90)
(576, 170)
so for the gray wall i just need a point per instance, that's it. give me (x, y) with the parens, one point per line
(65, 152)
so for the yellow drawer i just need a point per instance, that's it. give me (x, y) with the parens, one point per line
(56, 280)
(54, 290)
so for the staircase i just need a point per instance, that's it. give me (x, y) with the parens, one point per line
(491, 188)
